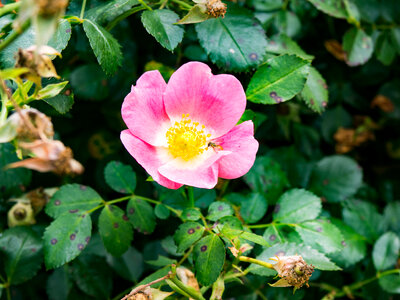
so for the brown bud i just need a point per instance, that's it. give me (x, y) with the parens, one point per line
(20, 214)
(216, 8)
(336, 49)
(51, 7)
(383, 102)
(293, 270)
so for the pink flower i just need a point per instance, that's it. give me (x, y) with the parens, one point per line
(185, 132)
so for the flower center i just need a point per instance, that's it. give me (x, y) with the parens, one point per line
(186, 139)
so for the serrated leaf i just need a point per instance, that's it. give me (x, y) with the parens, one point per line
(354, 246)
(61, 37)
(315, 92)
(358, 46)
(72, 199)
(187, 234)
(129, 266)
(320, 235)
(336, 178)
(278, 80)
(141, 215)
(65, 238)
(363, 217)
(209, 257)
(160, 24)
(61, 103)
(296, 206)
(219, 209)
(58, 284)
(104, 45)
(334, 8)
(310, 255)
(51, 90)
(282, 44)
(253, 208)
(93, 276)
(232, 233)
(121, 178)
(237, 42)
(115, 230)
(272, 235)
(386, 251)
(22, 253)
(266, 177)
(110, 10)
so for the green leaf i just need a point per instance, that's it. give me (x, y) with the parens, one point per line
(278, 80)
(311, 256)
(51, 90)
(358, 46)
(190, 214)
(161, 261)
(286, 22)
(385, 51)
(72, 198)
(256, 117)
(58, 284)
(93, 276)
(121, 178)
(8, 131)
(11, 180)
(386, 251)
(266, 177)
(204, 197)
(237, 42)
(141, 215)
(336, 178)
(25, 40)
(187, 234)
(61, 103)
(160, 24)
(282, 44)
(94, 89)
(354, 246)
(395, 37)
(104, 45)
(169, 245)
(296, 206)
(115, 230)
(364, 218)
(209, 257)
(253, 208)
(273, 235)
(232, 233)
(320, 235)
(65, 238)
(61, 37)
(315, 92)
(392, 216)
(161, 211)
(110, 10)
(158, 274)
(219, 209)
(129, 266)
(390, 283)
(334, 8)
(195, 15)
(22, 250)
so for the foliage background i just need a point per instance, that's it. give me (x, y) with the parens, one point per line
(354, 183)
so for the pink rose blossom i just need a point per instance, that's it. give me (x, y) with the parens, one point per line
(185, 132)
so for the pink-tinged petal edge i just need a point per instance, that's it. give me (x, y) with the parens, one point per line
(216, 101)
(143, 109)
(241, 142)
(146, 155)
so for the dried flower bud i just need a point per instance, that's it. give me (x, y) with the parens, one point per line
(41, 125)
(50, 156)
(293, 270)
(383, 102)
(347, 139)
(187, 277)
(21, 214)
(336, 49)
(216, 8)
(51, 7)
(142, 295)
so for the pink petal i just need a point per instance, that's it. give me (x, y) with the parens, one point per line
(201, 174)
(216, 101)
(148, 157)
(143, 109)
(240, 141)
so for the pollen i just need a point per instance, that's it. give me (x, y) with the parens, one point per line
(187, 139)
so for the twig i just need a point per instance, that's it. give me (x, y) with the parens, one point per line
(143, 286)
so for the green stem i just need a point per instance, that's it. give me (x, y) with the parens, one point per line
(256, 261)
(185, 256)
(83, 9)
(119, 200)
(191, 195)
(9, 8)
(175, 211)
(14, 34)
(184, 288)
(271, 224)
(8, 292)
(4, 110)
(145, 5)
(126, 14)
(183, 4)
(285, 4)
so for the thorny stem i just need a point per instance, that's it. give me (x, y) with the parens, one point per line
(83, 9)
(14, 34)
(145, 4)
(256, 261)
(142, 287)
(9, 8)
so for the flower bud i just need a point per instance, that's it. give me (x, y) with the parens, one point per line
(21, 214)
(216, 8)
(293, 270)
